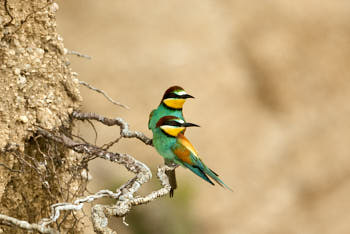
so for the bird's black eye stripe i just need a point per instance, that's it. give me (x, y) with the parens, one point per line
(172, 123)
(172, 95)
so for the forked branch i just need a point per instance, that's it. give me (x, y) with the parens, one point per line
(124, 196)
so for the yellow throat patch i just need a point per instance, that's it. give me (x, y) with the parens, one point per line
(175, 103)
(172, 130)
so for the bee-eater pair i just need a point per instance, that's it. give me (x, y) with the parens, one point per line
(168, 126)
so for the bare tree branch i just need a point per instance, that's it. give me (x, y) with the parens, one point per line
(104, 94)
(72, 52)
(25, 225)
(124, 196)
(124, 127)
(77, 205)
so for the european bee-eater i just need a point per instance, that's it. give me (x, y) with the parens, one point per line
(171, 104)
(170, 142)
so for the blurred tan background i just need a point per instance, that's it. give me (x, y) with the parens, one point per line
(272, 88)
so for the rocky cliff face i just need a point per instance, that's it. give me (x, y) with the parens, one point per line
(37, 88)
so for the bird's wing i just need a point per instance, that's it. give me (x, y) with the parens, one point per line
(187, 156)
(184, 150)
(149, 120)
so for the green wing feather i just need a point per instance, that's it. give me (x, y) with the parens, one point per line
(186, 156)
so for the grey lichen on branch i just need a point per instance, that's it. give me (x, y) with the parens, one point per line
(124, 127)
(125, 195)
(4, 219)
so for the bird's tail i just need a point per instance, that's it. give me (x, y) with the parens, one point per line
(203, 171)
(215, 177)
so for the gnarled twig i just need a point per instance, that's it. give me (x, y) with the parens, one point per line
(104, 94)
(125, 194)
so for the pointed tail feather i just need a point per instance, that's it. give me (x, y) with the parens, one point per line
(212, 174)
(203, 171)
(199, 172)
(215, 177)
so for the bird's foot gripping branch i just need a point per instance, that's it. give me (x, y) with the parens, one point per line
(124, 196)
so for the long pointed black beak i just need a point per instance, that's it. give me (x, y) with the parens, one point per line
(186, 96)
(190, 125)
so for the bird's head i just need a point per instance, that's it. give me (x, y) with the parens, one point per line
(172, 125)
(175, 97)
